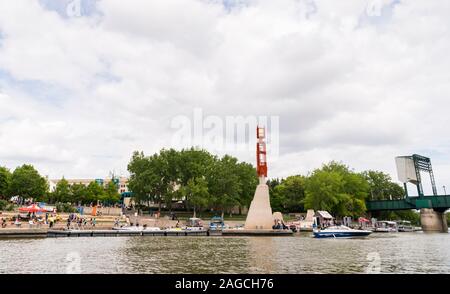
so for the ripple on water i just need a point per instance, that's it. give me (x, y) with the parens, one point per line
(398, 253)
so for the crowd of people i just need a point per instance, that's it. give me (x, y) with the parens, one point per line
(77, 222)
(279, 225)
(32, 219)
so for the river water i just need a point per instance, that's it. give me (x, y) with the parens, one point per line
(386, 253)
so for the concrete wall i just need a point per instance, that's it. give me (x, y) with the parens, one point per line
(433, 221)
(103, 210)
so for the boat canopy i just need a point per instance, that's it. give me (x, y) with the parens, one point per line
(324, 214)
(387, 222)
(405, 222)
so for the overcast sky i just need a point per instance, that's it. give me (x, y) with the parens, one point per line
(84, 83)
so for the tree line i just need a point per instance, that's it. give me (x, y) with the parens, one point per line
(26, 182)
(78, 193)
(201, 180)
(206, 182)
(333, 187)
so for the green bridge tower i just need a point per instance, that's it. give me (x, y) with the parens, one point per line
(432, 208)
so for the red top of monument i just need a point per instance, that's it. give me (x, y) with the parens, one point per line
(261, 162)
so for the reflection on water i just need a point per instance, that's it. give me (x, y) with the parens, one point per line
(398, 253)
(262, 254)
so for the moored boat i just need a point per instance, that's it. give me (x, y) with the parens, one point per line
(217, 223)
(340, 232)
(405, 226)
(194, 224)
(386, 227)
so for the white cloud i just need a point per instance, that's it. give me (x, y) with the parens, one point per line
(347, 85)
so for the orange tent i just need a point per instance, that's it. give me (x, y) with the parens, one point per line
(33, 208)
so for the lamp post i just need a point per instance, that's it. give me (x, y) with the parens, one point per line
(445, 192)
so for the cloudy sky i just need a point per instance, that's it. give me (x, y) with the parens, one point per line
(83, 83)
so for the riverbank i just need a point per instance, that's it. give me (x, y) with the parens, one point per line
(107, 222)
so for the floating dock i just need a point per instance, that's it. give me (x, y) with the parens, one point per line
(44, 233)
(119, 233)
(23, 233)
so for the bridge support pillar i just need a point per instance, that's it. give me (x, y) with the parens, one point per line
(433, 221)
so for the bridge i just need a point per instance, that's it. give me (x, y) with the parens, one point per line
(438, 203)
(432, 208)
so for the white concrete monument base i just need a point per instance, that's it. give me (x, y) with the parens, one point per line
(259, 215)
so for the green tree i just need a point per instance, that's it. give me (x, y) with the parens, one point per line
(272, 183)
(322, 190)
(289, 195)
(197, 191)
(94, 193)
(111, 194)
(382, 187)
(188, 175)
(224, 184)
(159, 179)
(248, 181)
(150, 178)
(139, 173)
(62, 192)
(193, 164)
(5, 179)
(27, 183)
(171, 159)
(79, 193)
(276, 200)
(337, 189)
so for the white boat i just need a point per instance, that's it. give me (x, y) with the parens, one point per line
(152, 229)
(195, 229)
(217, 224)
(405, 226)
(340, 232)
(386, 227)
(194, 224)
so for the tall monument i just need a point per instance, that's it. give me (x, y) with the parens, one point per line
(259, 215)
